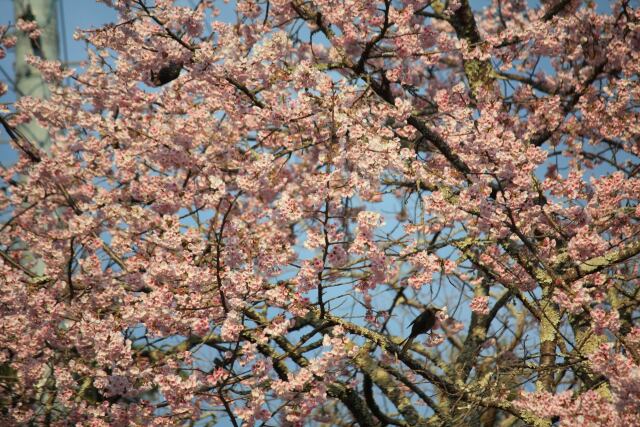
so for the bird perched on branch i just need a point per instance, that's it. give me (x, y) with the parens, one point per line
(420, 325)
(168, 73)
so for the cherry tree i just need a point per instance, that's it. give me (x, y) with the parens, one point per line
(237, 220)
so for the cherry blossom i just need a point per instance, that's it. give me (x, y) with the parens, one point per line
(241, 206)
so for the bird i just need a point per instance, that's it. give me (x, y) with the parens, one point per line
(169, 72)
(420, 325)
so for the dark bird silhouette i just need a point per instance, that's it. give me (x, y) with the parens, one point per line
(420, 325)
(169, 72)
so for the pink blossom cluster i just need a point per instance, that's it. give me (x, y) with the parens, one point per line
(238, 202)
(480, 305)
(29, 27)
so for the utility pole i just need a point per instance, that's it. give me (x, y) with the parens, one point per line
(28, 79)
